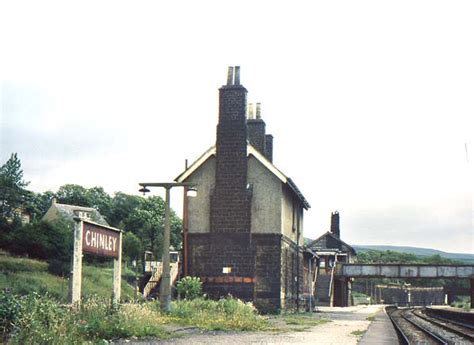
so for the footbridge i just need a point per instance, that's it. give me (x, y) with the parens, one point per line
(405, 271)
(421, 271)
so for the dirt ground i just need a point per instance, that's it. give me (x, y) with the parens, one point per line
(346, 326)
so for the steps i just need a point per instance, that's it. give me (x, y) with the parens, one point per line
(152, 288)
(322, 290)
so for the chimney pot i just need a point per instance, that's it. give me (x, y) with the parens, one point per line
(230, 75)
(237, 75)
(258, 114)
(250, 111)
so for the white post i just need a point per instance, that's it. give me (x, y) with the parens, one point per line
(76, 272)
(118, 272)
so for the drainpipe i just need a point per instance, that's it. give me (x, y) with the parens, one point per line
(297, 264)
(185, 227)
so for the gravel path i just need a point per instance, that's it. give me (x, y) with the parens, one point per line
(344, 322)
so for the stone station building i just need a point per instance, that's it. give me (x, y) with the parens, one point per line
(243, 232)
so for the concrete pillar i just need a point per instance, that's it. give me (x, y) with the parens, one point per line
(76, 278)
(118, 273)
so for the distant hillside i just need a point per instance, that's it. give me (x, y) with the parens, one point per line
(466, 258)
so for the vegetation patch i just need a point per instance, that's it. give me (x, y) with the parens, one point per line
(36, 319)
(225, 314)
(23, 276)
(371, 317)
(295, 322)
(41, 319)
(358, 333)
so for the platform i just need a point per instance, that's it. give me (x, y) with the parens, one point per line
(380, 331)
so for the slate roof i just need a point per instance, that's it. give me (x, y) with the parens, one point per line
(321, 244)
(261, 158)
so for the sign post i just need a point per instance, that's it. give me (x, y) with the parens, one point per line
(100, 240)
(118, 272)
(76, 279)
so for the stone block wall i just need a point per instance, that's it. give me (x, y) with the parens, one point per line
(291, 288)
(267, 271)
(254, 261)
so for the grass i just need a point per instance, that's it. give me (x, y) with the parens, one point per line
(463, 302)
(358, 333)
(295, 322)
(225, 314)
(33, 309)
(36, 319)
(23, 276)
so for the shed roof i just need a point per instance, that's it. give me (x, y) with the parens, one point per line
(261, 158)
(319, 245)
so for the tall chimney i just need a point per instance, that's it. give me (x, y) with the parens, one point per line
(335, 224)
(230, 202)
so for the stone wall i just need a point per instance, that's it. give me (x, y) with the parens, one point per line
(291, 288)
(254, 263)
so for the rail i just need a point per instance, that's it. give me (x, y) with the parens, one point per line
(414, 326)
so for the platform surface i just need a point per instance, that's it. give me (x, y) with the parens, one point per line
(380, 331)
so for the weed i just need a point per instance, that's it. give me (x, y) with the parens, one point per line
(225, 314)
(305, 320)
(358, 333)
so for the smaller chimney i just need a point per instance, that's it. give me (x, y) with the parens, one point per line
(230, 76)
(335, 224)
(250, 111)
(256, 130)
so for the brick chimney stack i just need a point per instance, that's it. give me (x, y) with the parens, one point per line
(335, 224)
(230, 209)
(256, 132)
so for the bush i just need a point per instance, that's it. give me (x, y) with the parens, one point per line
(42, 240)
(189, 288)
(226, 314)
(59, 267)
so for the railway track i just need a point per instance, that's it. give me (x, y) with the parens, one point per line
(415, 326)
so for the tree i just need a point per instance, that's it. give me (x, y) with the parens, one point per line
(147, 222)
(73, 194)
(132, 246)
(12, 192)
(122, 206)
(100, 200)
(38, 204)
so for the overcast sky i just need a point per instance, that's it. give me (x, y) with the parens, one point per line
(370, 102)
